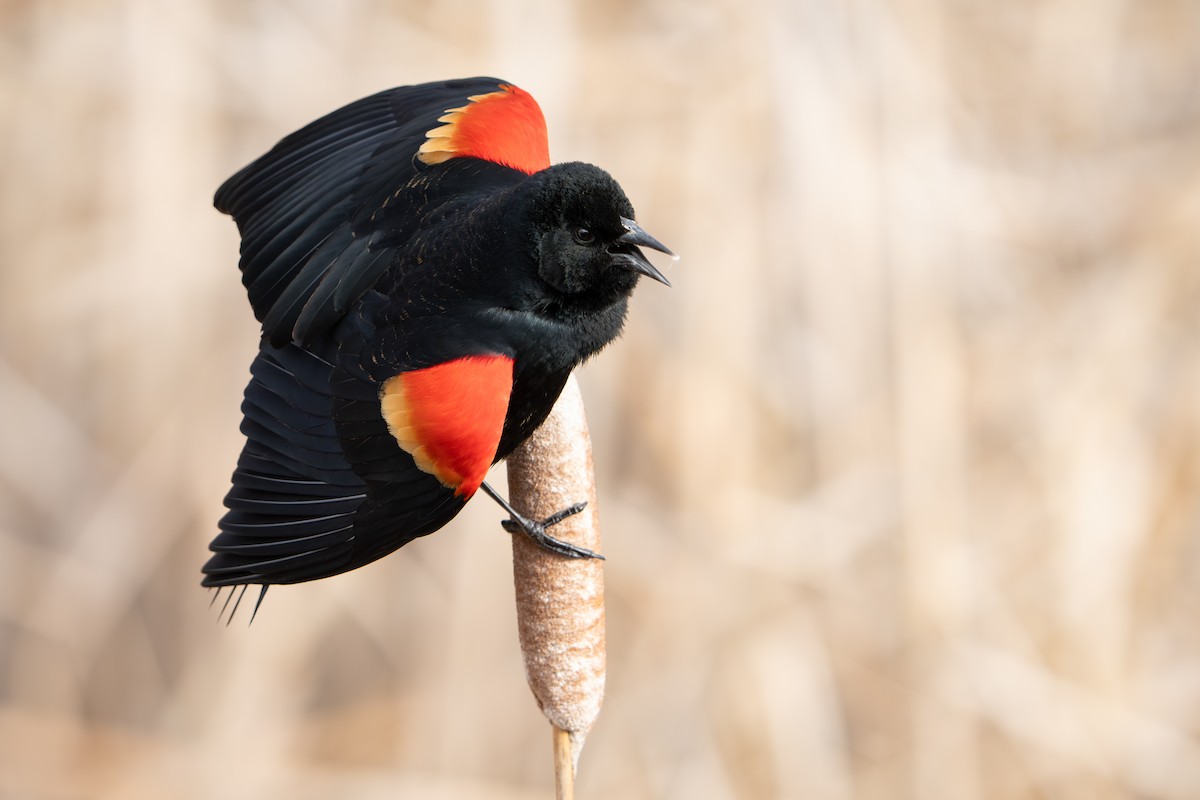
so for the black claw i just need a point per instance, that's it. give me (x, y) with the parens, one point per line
(559, 516)
(537, 530)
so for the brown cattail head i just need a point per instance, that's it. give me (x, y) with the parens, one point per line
(560, 601)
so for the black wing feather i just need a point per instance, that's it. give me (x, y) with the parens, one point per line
(321, 486)
(294, 496)
(313, 197)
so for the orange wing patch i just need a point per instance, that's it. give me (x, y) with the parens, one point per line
(449, 417)
(505, 127)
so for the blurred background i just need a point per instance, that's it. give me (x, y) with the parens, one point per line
(900, 482)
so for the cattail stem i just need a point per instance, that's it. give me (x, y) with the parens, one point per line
(564, 766)
(560, 601)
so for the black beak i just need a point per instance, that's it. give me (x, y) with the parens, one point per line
(630, 257)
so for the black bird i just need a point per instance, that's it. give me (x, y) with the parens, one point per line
(426, 281)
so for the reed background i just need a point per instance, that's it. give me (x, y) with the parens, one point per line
(900, 482)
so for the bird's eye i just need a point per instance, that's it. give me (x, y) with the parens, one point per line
(583, 235)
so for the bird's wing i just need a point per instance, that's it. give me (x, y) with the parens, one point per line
(449, 417)
(343, 465)
(422, 444)
(309, 210)
(294, 497)
(436, 410)
(322, 485)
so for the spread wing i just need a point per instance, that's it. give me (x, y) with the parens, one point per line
(294, 497)
(310, 210)
(341, 468)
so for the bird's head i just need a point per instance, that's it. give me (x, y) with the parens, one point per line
(586, 243)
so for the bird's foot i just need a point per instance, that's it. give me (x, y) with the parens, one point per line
(536, 530)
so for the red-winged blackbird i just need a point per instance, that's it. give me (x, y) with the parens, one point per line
(426, 282)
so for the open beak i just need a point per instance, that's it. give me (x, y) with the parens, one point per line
(630, 257)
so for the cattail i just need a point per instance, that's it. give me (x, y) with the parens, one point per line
(560, 601)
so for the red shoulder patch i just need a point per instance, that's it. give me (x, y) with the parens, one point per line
(449, 417)
(505, 127)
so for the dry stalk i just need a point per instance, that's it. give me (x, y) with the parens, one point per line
(560, 601)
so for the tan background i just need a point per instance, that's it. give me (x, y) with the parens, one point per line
(900, 483)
